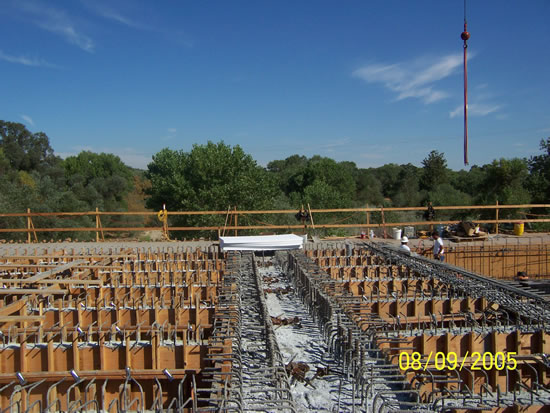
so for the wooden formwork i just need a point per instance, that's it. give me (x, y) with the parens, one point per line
(503, 260)
(112, 331)
(412, 314)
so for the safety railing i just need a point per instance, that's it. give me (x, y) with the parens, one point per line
(232, 214)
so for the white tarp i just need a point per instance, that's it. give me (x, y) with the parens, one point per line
(262, 243)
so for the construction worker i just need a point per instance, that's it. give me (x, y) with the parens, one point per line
(429, 214)
(303, 216)
(404, 245)
(438, 248)
(522, 276)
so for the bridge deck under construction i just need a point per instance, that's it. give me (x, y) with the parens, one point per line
(177, 329)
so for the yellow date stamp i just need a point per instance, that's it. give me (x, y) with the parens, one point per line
(451, 361)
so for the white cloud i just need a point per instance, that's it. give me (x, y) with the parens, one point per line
(412, 79)
(72, 36)
(57, 21)
(26, 61)
(172, 130)
(27, 119)
(113, 15)
(456, 112)
(106, 11)
(476, 109)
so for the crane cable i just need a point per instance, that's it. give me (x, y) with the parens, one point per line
(465, 36)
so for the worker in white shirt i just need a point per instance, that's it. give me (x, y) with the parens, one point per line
(404, 245)
(438, 247)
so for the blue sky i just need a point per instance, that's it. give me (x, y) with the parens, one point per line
(366, 81)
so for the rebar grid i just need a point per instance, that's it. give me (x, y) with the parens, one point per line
(135, 331)
(385, 336)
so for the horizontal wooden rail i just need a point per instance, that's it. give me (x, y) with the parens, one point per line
(282, 226)
(31, 229)
(271, 211)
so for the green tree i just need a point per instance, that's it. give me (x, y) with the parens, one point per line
(209, 177)
(469, 182)
(42, 194)
(321, 193)
(388, 176)
(539, 168)
(446, 194)
(369, 188)
(101, 180)
(296, 174)
(336, 175)
(4, 163)
(434, 171)
(287, 168)
(25, 151)
(506, 182)
(406, 190)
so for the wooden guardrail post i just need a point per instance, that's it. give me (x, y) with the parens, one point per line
(368, 222)
(236, 216)
(28, 226)
(496, 219)
(227, 217)
(310, 216)
(97, 224)
(383, 221)
(165, 223)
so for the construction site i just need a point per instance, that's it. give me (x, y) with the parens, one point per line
(171, 273)
(338, 326)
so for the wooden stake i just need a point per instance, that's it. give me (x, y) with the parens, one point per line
(225, 223)
(97, 224)
(383, 222)
(310, 216)
(368, 223)
(28, 226)
(496, 219)
(165, 224)
(236, 216)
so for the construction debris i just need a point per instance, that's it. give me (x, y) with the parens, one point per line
(279, 290)
(281, 321)
(297, 370)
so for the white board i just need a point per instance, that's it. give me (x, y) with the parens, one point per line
(262, 243)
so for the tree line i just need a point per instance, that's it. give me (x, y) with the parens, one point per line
(215, 176)
(32, 176)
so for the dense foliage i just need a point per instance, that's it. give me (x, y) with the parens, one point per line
(209, 177)
(31, 176)
(216, 176)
